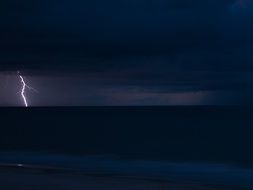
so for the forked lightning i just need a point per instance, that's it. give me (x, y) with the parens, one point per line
(23, 90)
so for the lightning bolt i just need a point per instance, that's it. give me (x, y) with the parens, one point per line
(23, 89)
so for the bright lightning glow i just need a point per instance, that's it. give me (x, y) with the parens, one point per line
(23, 90)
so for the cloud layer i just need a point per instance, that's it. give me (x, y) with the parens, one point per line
(159, 45)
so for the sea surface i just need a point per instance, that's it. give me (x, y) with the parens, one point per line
(213, 134)
(198, 145)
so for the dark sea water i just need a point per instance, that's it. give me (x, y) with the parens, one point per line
(202, 144)
(215, 134)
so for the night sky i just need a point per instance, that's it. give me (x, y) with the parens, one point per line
(127, 52)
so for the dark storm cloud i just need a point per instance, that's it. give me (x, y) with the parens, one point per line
(158, 44)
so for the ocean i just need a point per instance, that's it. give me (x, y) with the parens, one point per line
(189, 144)
(199, 133)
